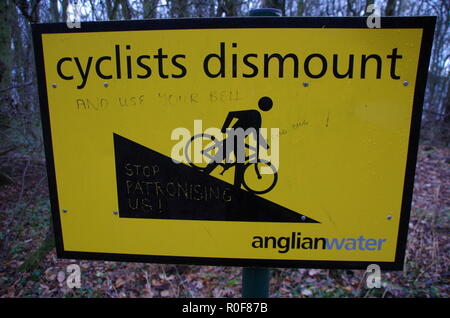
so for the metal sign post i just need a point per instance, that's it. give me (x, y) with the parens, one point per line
(255, 281)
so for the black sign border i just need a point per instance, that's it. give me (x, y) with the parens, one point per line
(426, 23)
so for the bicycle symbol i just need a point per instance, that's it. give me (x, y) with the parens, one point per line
(213, 152)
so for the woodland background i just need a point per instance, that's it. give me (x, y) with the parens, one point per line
(28, 265)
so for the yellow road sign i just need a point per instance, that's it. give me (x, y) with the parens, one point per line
(247, 141)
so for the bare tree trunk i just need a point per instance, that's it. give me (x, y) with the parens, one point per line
(5, 44)
(368, 4)
(300, 7)
(6, 61)
(390, 8)
(150, 8)
(445, 128)
(64, 5)
(29, 9)
(126, 10)
(111, 8)
(232, 8)
(54, 11)
(351, 8)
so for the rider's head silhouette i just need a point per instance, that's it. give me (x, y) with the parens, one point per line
(265, 103)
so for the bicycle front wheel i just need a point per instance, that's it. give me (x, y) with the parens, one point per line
(256, 182)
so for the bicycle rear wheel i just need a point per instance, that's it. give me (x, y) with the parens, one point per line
(201, 149)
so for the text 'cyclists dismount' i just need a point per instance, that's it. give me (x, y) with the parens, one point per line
(285, 142)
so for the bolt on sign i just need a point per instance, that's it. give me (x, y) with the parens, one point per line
(285, 142)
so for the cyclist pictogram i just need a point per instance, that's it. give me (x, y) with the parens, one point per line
(246, 162)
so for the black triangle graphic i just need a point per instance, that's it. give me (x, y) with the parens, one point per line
(151, 185)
